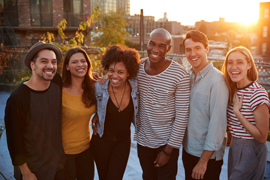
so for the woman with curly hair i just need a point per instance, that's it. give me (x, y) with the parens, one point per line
(78, 106)
(117, 106)
(247, 115)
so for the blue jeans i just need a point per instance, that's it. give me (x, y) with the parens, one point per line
(147, 157)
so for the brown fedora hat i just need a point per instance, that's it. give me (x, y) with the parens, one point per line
(38, 47)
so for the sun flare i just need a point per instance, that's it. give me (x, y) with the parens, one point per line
(188, 12)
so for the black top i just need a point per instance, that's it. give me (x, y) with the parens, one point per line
(33, 128)
(118, 122)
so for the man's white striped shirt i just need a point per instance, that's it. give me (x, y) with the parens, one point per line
(164, 106)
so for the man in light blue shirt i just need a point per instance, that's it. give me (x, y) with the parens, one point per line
(205, 138)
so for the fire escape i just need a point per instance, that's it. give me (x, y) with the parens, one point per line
(7, 33)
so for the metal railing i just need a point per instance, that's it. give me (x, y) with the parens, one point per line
(263, 68)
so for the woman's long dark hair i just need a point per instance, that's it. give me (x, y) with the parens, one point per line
(88, 85)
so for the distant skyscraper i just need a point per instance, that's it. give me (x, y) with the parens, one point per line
(107, 6)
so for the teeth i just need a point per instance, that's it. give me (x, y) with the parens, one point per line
(48, 72)
(154, 55)
(80, 70)
(115, 81)
(235, 73)
(194, 59)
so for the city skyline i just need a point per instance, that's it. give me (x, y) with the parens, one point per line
(188, 12)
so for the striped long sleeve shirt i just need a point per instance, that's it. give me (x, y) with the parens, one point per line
(164, 106)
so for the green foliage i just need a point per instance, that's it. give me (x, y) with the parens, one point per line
(134, 45)
(10, 65)
(111, 28)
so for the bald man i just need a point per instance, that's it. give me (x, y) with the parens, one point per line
(164, 88)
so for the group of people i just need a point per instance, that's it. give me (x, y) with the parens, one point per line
(47, 118)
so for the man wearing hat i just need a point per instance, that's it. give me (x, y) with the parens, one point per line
(33, 117)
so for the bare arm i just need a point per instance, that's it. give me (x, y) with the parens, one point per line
(26, 173)
(260, 130)
(164, 156)
(200, 168)
(95, 123)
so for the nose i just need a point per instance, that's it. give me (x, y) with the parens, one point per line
(50, 65)
(233, 66)
(79, 63)
(114, 74)
(193, 52)
(155, 49)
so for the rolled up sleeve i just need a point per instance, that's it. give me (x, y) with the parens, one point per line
(218, 117)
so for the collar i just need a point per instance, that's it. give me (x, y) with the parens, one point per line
(203, 72)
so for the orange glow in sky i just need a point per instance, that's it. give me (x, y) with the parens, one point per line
(189, 11)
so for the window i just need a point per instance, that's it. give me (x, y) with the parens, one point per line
(265, 29)
(8, 13)
(41, 12)
(266, 13)
(264, 46)
(73, 12)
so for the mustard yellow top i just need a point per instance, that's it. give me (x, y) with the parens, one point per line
(75, 123)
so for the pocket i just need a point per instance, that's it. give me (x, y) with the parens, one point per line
(200, 101)
(99, 97)
(159, 97)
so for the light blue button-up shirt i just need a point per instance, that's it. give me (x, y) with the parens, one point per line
(102, 96)
(206, 129)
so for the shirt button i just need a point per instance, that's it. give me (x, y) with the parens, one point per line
(136, 107)
(135, 98)
(99, 99)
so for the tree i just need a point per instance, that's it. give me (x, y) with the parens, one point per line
(134, 45)
(111, 28)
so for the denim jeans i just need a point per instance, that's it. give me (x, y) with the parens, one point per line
(147, 157)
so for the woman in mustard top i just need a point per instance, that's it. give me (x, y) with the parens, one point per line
(78, 105)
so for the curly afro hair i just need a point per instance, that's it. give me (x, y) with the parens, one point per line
(129, 56)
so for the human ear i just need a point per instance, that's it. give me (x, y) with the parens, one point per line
(32, 65)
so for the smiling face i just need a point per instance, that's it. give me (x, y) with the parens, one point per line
(117, 74)
(237, 68)
(196, 54)
(77, 65)
(45, 65)
(157, 47)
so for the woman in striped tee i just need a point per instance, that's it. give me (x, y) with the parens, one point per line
(247, 116)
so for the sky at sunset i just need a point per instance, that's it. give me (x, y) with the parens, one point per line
(189, 11)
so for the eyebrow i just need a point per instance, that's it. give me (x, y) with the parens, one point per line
(155, 43)
(46, 58)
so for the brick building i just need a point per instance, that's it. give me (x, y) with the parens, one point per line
(23, 22)
(263, 42)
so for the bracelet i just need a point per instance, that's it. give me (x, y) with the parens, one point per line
(166, 153)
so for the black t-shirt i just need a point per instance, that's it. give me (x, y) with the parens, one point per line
(33, 128)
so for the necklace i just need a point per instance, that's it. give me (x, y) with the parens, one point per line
(121, 99)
